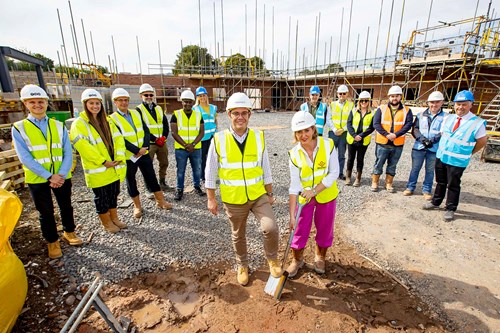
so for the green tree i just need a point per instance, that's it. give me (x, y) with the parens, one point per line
(26, 66)
(193, 60)
(236, 64)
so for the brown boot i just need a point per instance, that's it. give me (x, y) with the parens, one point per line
(348, 175)
(108, 224)
(113, 213)
(357, 182)
(137, 207)
(297, 262)
(388, 183)
(54, 250)
(160, 201)
(375, 179)
(72, 238)
(319, 259)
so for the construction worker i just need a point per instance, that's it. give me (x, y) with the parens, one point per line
(391, 121)
(43, 147)
(187, 130)
(209, 113)
(336, 120)
(462, 135)
(359, 130)
(316, 108)
(427, 132)
(102, 152)
(314, 169)
(155, 120)
(238, 156)
(136, 135)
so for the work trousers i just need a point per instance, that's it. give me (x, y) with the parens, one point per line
(355, 151)
(324, 220)
(106, 197)
(145, 164)
(238, 215)
(161, 154)
(388, 153)
(341, 144)
(447, 177)
(43, 203)
(205, 145)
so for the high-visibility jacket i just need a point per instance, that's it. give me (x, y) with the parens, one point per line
(209, 124)
(320, 115)
(188, 128)
(387, 122)
(47, 151)
(241, 174)
(310, 177)
(429, 127)
(340, 114)
(367, 120)
(134, 136)
(155, 126)
(455, 148)
(93, 152)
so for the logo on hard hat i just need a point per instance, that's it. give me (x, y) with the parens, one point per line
(35, 94)
(92, 95)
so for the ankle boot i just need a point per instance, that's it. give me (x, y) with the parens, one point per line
(108, 225)
(113, 213)
(388, 183)
(137, 207)
(54, 250)
(348, 174)
(319, 259)
(375, 179)
(160, 201)
(357, 182)
(297, 262)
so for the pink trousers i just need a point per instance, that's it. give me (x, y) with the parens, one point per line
(324, 218)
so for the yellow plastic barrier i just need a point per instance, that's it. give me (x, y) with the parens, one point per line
(13, 281)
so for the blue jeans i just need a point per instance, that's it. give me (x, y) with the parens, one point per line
(384, 153)
(341, 145)
(417, 160)
(181, 157)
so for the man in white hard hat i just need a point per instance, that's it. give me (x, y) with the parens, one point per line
(43, 147)
(136, 135)
(336, 121)
(391, 121)
(187, 127)
(244, 187)
(157, 123)
(316, 108)
(427, 133)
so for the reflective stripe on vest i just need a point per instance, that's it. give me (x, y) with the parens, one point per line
(208, 120)
(356, 118)
(386, 121)
(312, 176)
(429, 128)
(341, 114)
(188, 128)
(320, 115)
(241, 175)
(134, 136)
(155, 126)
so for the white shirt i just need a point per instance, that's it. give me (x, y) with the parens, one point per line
(327, 181)
(481, 132)
(212, 166)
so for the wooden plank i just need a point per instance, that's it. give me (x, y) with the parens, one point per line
(15, 173)
(19, 181)
(8, 153)
(2, 175)
(6, 184)
(10, 165)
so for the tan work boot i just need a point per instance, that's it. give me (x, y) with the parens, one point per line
(160, 201)
(242, 275)
(108, 225)
(427, 196)
(319, 259)
(375, 179)
(388, 183)
(275, 267)
(297, 262)
(357, 182)
(137, 207)
(407, 192)
(54, 250)
(348, 175)
(113, 213)
(72, 238)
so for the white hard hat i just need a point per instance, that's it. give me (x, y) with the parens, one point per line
(30, 91)
(302, 120)
(145, 87)
(395, 90)
(239, 100)
(89, 94)
(365, 95)
(119, 92)
(342, 89)
(187, 94)
(435, 96)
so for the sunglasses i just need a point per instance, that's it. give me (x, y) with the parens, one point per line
(147, 95)
(363, 101)
(342, 93)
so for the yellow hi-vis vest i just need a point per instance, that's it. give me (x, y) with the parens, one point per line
(310, 177)
(188, 128)
(367, 120)
(134, 136)
(155, 127)
(93, 152)
(241, 175)
(47, 151)
(340, 114)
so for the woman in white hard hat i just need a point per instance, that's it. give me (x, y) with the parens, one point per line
(102, 151)
(314, 169)
(359, 130)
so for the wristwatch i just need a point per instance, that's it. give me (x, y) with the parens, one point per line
(314, 191)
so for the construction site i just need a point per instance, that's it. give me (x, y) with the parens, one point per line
(392, 268)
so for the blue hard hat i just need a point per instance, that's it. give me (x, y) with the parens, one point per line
(200, 91)
(314, 90)
(464, 96)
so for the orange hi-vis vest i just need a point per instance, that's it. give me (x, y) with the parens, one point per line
(392, 125)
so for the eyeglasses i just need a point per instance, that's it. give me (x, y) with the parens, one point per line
(363, 101)
(342, 93)
(243, 114)
(147, 95)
